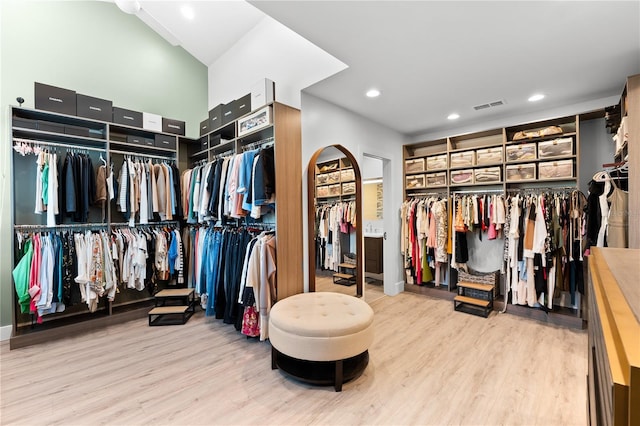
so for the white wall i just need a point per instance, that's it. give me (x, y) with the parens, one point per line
(325, 124)
(514, 120)
(596, 148)
(270, 50)
(371, 168)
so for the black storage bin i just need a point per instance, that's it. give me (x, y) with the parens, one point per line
(47, 126)
(204, 127)
(204, 143)
(97, 133)
(94, 108)
(127, 117)
(215, 117)
(214, 140)
(135, 140)
(149, 141)
(228, 112)
(25, 123)
(175, 127)
(76, 130)
(166, 141)
(56, 99)
(243, 105)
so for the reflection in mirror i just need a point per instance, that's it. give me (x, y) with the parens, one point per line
(373, 229)
(335, 228)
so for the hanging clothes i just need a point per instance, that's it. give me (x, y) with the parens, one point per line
(60, 269)
(225, 188)
(332, 222)
(148, 191)
(425, 223)
(234, 275)
(543, 251)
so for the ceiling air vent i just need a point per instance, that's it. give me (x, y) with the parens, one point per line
(489, 105)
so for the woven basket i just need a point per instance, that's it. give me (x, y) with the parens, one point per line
(491, 278)
(350, 258)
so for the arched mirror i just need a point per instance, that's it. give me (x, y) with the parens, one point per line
(335, 222)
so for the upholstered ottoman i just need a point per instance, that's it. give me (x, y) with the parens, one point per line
(321, 338)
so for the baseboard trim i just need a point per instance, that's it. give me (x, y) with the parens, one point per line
(5, 332)
(396, 288)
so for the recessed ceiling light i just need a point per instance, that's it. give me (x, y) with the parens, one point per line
(453, 116)
(373, 93)
(187, 12)
(536, 97)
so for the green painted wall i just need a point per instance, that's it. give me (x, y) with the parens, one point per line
(95, 49)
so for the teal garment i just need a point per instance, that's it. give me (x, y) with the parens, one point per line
(21, 278)
(45, 184)
(191, 218)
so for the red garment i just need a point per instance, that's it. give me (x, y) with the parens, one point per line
(34, 278)
(415, 247)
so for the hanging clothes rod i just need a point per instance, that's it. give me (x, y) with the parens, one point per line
(426, 194)
(224, 154)
(137, 154)
(479, 191)
(60, 145)
(264, 143)
(541, 189)
(162, 223)
(63, 226)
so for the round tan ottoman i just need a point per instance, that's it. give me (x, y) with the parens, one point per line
(321, 338)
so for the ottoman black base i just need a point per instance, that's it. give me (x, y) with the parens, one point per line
(322, 373)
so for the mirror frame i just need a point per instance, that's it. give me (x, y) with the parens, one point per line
(311, 216)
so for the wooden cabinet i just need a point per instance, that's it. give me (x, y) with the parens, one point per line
(279, 125)
(94, 143)
(614, 337)
(373, 259)
(505, 158)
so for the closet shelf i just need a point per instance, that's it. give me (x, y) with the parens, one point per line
(424, 188)
(199, 153)
(256, 135)
(50, 116)
(542, 160)
(415, 173)
(144, 148)
(477, 184)
(458, 150)
(431, 154)
(559, 179)
(484, 166)
(543, 138)
(56, 137)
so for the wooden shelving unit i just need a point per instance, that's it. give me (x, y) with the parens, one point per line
(449, 154)
(480, 162)
(99, 140)
(284, 132)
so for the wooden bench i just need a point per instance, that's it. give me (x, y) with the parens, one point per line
(474, 298)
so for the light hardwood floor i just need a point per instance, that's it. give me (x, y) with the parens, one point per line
(371, 291)
(428, 365)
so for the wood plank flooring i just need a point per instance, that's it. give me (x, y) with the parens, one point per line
(371, 291)
(428, 365)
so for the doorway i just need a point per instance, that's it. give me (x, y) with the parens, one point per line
(373, 224)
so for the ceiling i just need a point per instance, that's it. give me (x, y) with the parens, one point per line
(430, 59)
